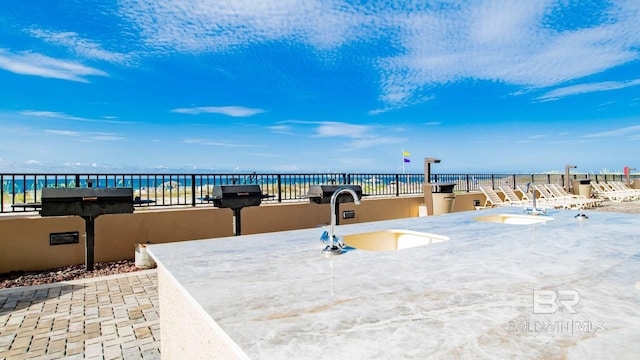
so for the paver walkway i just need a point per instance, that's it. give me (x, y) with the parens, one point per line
(109, 317)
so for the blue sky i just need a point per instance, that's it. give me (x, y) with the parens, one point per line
(315, 86)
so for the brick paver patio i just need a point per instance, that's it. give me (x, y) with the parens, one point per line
(110, 317)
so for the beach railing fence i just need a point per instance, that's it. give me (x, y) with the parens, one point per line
(191, 189)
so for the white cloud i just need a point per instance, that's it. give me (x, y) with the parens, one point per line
(517, 42)
(82, 47)
(196, 26)
(512, 42)
(208, 142)
(28, 63)
(587, 88)
(235, 111)
(629, 130)
(87, 136)
(63, 132)
(332, 129)
(281, 129)
(361, 136)
(59, 115)
(33, 162)
(363, 143)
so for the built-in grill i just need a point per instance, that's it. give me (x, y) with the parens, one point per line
(321, 194)
(88, 203)
(236, 197)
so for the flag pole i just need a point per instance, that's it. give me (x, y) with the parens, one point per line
(403, 160)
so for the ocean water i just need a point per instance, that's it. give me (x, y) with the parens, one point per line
(30, 183)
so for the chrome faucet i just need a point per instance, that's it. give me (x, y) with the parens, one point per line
(534, 210)
(336, 245)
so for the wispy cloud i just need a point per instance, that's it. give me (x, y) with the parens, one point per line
(28, 63)
(59, 115)
(629, 130)
(83, 48)
(208, 142)
(587, 88)
(363, 143)
(281, 129)
(339, 129)
(359, 136)
(235, 111)
(86, 136)
(513, 42)
(522, 43)
(63, 132)
(203, 26)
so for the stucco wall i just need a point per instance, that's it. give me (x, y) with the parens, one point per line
(24, 240)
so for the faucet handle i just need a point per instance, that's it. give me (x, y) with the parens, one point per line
(325, 236)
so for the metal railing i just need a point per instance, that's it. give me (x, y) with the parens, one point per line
(190, 189)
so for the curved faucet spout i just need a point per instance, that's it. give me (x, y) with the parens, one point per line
(534, 209)
(335, 245)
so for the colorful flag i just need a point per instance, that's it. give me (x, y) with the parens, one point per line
(406, 153)
(407, 160)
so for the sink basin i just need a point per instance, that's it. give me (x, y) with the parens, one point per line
(391, 240)
(514, 219)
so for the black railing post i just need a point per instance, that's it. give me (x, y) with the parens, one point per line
(398, 185)
(279, 188)
(493, 181)
(193, 190)
(1, 193)
(467, 181)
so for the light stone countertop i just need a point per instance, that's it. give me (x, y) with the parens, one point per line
(278, 297)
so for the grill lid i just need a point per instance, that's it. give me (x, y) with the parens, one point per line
(86, 201)
(236, 196)
(321, 194)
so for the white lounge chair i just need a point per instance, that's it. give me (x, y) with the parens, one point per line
(492, 197)
(570, 201)
(528, 196)
(556, 202)
(605, 192)
(512, 198)
(588, 201)
(634, 194)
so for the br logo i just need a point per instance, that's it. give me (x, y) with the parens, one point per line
(550, 301)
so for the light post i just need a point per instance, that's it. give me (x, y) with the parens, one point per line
(427, 187)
